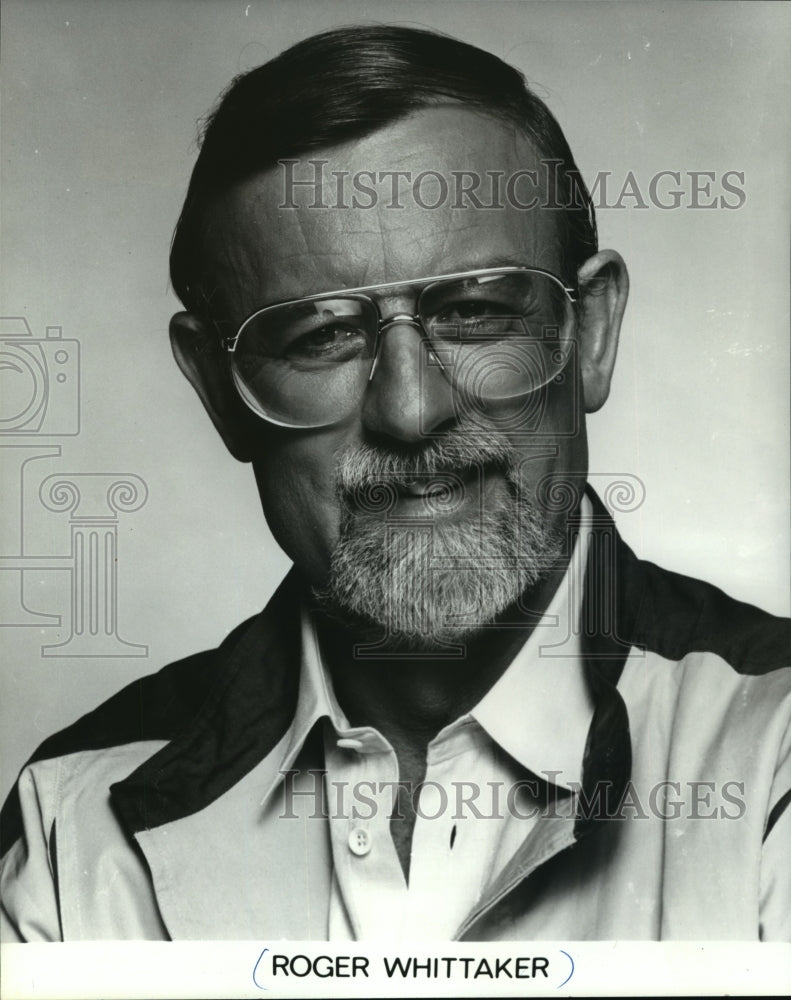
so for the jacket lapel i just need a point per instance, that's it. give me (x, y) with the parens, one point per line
(223, 864)
(242, 869)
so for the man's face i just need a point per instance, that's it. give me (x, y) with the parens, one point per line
(375, 553)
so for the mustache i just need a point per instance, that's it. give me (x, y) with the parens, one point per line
(455, 453)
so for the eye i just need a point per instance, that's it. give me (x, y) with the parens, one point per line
(464, 309)
(475, 319)
(334, 341)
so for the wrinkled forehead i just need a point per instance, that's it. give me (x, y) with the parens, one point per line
(443, 190)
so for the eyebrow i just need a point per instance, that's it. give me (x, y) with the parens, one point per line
(499, 260)
(478, 263)
(409, 283)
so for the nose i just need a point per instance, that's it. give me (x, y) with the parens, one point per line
(408, 397)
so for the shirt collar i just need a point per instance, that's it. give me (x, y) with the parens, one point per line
(548, 731)
(316, 699)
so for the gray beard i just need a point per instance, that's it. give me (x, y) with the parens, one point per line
(419, 583)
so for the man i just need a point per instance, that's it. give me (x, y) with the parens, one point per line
(469, 712)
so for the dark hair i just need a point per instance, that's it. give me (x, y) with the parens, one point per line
(344, 84)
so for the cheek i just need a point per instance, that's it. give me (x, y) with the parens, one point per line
(296, 484)
(554, 448)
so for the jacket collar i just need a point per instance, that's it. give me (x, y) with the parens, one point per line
(254, 698)
(611, 602)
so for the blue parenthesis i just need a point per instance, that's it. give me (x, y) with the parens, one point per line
(255, 969)
(572, 968)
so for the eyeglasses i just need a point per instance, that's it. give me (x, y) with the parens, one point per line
(496, 334)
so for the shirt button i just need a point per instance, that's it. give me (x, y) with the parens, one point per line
(350, 744)
(359, 841)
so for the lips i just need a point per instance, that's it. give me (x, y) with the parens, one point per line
(444, 486)
(446, 491)
(427, 488)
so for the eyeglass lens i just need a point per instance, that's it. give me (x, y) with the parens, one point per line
(496, 337)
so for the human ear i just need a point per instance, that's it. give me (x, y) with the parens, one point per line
(200, 356)
(604, 289)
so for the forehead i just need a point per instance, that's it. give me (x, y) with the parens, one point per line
(433, 193)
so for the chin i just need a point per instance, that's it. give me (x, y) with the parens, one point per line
(417, 588)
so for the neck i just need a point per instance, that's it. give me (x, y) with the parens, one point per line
(410, 696)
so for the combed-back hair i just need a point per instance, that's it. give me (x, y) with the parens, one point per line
(344, 84)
